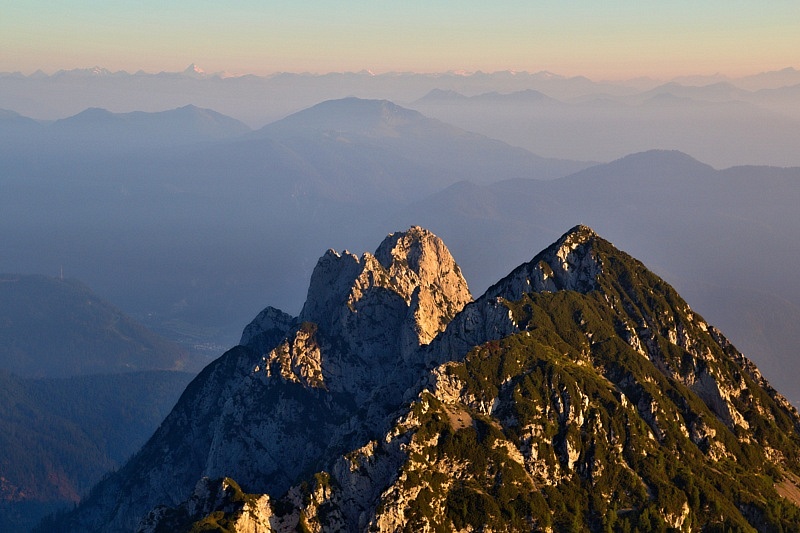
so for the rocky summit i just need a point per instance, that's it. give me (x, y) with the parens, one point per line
(579, 393)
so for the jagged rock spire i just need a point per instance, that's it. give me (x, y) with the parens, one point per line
(567, 264)
(412, 281)
(421, 267)
(581, 372)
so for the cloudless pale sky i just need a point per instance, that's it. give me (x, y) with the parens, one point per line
(612, 39)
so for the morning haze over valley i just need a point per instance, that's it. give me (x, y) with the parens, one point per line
(399, 267)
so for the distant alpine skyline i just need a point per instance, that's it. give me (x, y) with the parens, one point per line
(611, 40)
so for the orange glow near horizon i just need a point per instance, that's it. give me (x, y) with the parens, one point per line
(612, 41)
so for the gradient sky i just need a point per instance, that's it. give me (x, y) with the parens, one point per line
(612, 39)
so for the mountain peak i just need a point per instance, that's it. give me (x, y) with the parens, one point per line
(660, 159)
(348, 115)
(570, 263)
(649, 166)
(580, 392)
(194, 71)
(408, 246)
(441, 95)
(420, 264)
(579, 234)
(90, 114)
(365, 312)
(412, 268)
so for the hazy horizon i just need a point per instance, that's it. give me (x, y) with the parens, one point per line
(609, 41)
(173, 173)
(701, 77)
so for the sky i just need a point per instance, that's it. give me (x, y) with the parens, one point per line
(613, 39)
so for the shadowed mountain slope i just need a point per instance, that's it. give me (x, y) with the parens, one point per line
(52, 327)
(58, 436)
(580, 391)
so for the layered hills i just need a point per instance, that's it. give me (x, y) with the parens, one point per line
(177, 218)
(195, 238)
(721, 120)
(52, 327)
(59, 436)
(703, 229)
(82, 387)
(578, 393)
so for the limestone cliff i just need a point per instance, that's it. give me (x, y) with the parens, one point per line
(299, 390)
(579, 393)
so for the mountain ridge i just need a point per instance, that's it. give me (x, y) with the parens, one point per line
(85, 334)
(722, 220)
(186, 125)
(635, 380)
(59, 436)
(392, 127)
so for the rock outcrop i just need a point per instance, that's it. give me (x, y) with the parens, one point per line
(580, 392)
(365, 318)
(298, 390)
(411, 286)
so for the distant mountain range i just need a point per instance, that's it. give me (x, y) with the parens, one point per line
(202, 233)
(580, 392)
(722, 121)
(100, 131)
(232, 193)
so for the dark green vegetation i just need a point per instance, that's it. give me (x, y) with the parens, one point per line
(599, 470)
(51, 327)
(580, 393)
(59, 436)
(65, 418)
(613, 440)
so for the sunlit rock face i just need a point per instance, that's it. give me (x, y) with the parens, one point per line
(579, 392)
(397, 299)
(299, 389)
(371, 314)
